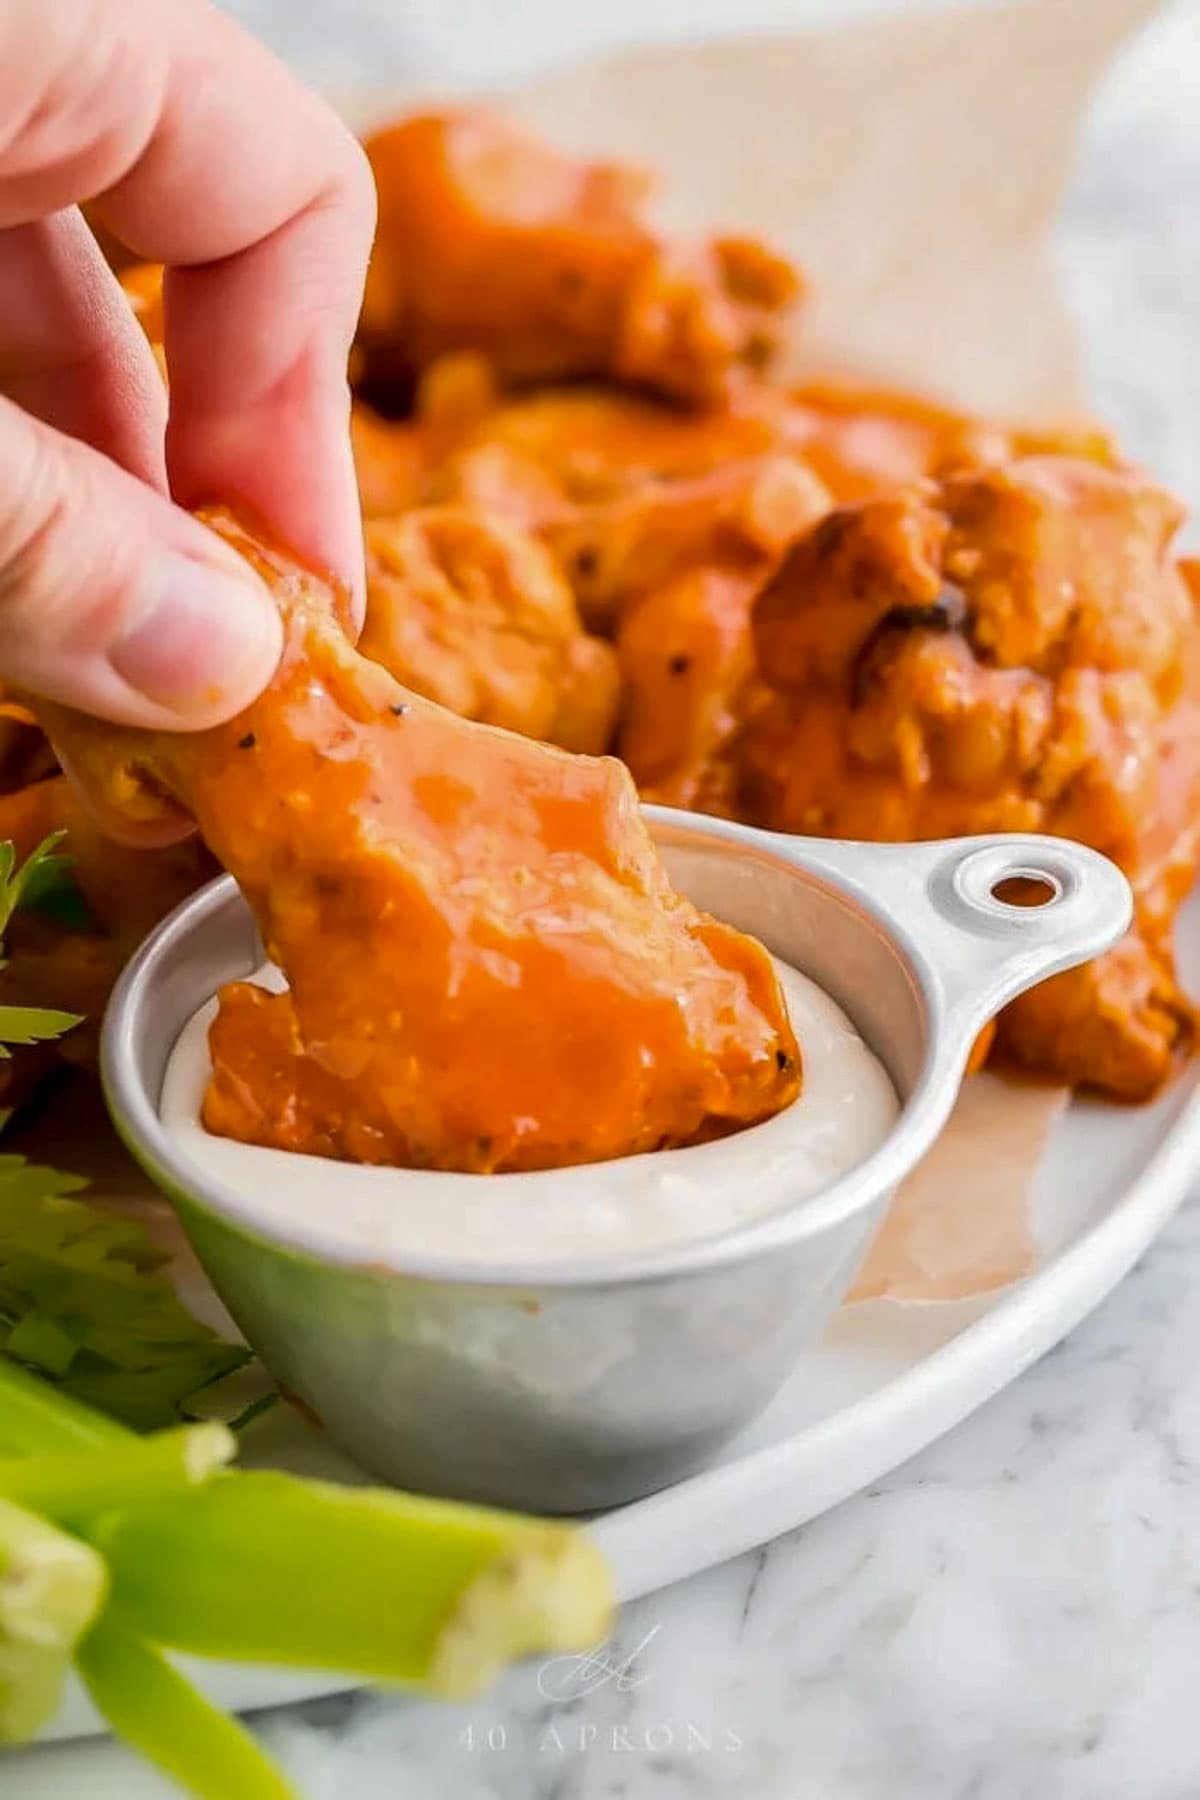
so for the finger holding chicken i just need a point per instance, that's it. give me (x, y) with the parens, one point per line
(488, 968)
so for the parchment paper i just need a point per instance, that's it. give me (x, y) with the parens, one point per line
(960, 1224)
(912, 166)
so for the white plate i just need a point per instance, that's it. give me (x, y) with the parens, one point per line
(885, 1381)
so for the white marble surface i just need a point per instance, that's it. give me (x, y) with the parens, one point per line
(1016, 1613)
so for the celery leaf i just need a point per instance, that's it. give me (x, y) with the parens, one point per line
(84, 1301)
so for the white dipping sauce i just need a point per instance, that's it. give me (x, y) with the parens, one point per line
(846, 1109)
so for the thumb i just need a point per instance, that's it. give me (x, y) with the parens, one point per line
(116, 602)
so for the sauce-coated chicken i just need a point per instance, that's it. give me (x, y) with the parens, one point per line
(473, 612)
(488, 966)
(1010, 649)
(489, 240)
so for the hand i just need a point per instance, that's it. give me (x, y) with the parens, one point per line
(199, 151)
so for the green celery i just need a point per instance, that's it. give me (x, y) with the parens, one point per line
(41, 881)
(33, 1025)
(29, 884)
(51, 1589)
(44, 1343)
(265, 1567)
(71, 1486)
(159, 1713)
(273, 1568)
(36, 1418)
(83, 1298)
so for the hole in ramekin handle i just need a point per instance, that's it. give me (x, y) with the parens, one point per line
(988, 947)
(1078, 890)
(1025, 887)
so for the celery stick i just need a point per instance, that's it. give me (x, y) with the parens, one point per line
(70, 1486)
(265, 1567)
(37, 1417)
(271, 1568)
(159, 1713)
(31, 1685)
(51, 1589)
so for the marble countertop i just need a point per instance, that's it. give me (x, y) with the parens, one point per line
(1016, 1612)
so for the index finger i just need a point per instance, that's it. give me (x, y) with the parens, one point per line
(201, 152)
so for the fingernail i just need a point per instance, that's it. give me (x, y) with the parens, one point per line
(207, 646)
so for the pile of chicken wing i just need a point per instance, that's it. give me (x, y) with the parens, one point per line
(597, 517)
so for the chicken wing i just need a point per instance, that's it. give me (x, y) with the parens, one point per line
(488, 967)
(1010, 649)
(686, 660)
(126, 891)
(681, 565)
(450, 453)
(390, 460)
(863, 440)
(472, 612)
(489, 240)
(595, 442)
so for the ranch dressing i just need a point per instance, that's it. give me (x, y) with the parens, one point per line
(846, 1109)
